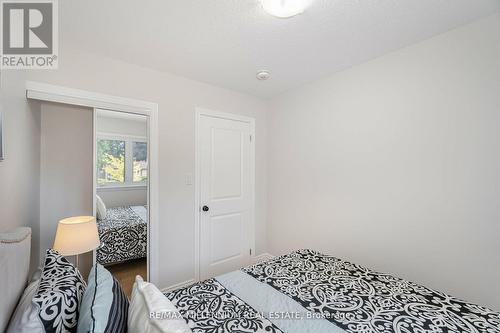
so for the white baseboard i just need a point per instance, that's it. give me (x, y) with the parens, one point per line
(177, 286)
(254, 260)
(261, 257)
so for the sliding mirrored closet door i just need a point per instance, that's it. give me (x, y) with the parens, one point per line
(122, 193)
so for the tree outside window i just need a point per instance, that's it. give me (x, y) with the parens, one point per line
(110, 161)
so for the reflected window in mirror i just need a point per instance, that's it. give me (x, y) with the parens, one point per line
(121, 161)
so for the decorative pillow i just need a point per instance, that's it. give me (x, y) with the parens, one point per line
(100, 208)
(59, 294)
(54, 304)
(104, 306)
(152, 312)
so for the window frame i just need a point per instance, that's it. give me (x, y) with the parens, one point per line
(129, 160)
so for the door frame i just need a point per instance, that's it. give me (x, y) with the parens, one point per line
(59, 94)
(203, 112)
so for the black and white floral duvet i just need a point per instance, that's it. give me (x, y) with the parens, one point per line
(123, 234)
(306, 291)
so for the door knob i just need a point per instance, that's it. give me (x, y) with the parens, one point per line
(205, 208)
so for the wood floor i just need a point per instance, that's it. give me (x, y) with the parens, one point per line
(126, 272)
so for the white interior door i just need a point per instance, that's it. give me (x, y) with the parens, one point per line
(226, 196)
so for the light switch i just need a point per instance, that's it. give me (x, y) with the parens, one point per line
(189, 179)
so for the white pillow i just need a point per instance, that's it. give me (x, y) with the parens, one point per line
(152, 312)
(100, 208)
(23, 315)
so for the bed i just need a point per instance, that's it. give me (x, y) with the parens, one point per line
(123, 234)
(301, 292)
(306, 291)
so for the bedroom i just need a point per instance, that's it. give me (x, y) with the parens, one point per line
(375, 136)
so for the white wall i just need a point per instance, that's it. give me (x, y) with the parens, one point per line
(66, 167)
(119, 126)
(177, 98)
(118, 197)
(394, 164)
(19, 172)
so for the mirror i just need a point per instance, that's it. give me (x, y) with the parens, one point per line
(122, 187)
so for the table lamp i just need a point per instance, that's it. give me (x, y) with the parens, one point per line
(76, 235)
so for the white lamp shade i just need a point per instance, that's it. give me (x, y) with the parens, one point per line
(76, 235)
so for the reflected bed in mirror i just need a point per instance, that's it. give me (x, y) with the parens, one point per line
(121, 180)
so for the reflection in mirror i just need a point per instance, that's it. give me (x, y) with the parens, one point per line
(122, 194)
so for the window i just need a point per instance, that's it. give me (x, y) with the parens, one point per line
(140, 150)
(121, 161)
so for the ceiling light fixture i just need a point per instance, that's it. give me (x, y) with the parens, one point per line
(263, 75)
(284, 8)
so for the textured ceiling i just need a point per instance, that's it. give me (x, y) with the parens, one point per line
(224, 42)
